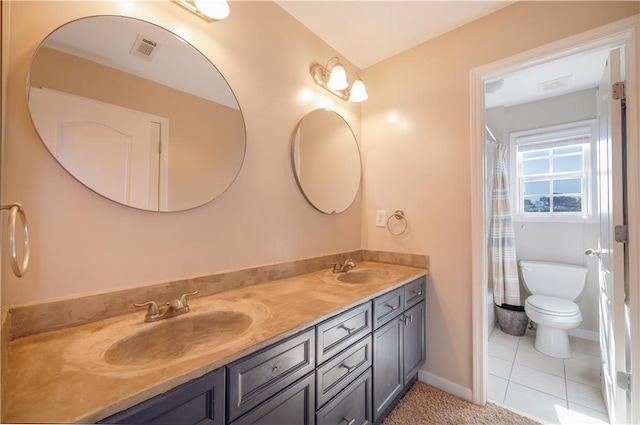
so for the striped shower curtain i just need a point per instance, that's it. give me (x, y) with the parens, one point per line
(504, 268)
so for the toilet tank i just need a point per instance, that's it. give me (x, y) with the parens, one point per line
(553, 279)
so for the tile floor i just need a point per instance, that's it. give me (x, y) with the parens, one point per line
(555, 391)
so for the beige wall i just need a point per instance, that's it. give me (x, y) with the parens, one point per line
(84, 243)
(416, 142)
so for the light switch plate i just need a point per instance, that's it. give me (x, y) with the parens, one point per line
(381, 218)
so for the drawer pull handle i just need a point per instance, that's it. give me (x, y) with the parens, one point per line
(348, 329)
(418, 293)
(276, 368)
(349, 368)
(349, 421)
(392, 307)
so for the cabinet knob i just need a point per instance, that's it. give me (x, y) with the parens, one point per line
(276, 368)
(349, 421)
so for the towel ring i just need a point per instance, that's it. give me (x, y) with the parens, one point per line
(398, 215)
(19, 269)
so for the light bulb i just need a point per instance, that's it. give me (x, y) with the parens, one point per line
(216, 9)
(338, 78)
(358, 92)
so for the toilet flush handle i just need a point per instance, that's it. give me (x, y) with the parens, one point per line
(592, 253)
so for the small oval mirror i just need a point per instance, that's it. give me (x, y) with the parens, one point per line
(326, 161)
(136, 113)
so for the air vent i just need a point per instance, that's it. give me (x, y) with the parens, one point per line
(144, 48)
(555, 84)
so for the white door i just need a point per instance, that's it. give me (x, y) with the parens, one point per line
(111, 149)
(611, 253)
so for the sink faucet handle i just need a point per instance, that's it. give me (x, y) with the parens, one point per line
(152, 310)
(183, 298)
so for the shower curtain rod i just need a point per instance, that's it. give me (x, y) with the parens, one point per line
(492, 138)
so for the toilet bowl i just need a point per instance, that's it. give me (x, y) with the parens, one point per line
(553, 288)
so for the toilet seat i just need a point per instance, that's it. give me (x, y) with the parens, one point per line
(555, 306)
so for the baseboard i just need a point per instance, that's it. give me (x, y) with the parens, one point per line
(583, 333)
(445, 385)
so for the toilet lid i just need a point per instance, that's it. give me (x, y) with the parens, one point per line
(553, 305)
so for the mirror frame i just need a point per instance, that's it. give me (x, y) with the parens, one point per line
(295, 171)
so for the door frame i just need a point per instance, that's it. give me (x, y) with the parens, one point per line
(626, 33)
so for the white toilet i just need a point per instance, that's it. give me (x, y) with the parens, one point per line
(553, 287)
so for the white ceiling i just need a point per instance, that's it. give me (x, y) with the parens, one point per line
(366, 32)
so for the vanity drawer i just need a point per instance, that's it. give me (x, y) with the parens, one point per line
(340, 371)
(351, 406)
(340, 332)
(414, 292)
(387, 306)
(200, 401)
(257, 377)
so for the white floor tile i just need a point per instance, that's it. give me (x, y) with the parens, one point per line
(585, 395)
(502, 338)
(499, 367)
(535, 403)
(541, 362)
(584, 415)
(541, 381)
(583, 359)
(496, 388)
(527, 343)
(585, 346)
(501, 351)
(582, 374)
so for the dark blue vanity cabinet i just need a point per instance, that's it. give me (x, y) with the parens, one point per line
(398, 344)
(350, 369)
(201, 401)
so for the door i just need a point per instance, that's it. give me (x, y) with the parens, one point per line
(388, 361)
(414, 338)
(611, 253)
(112, 150)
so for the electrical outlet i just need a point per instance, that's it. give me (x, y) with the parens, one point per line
(381, 218)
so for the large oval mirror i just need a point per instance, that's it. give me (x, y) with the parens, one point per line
(136, 113)
(326, 161)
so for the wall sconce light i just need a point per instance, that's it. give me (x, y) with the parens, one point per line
(335, 81)
(209, 10)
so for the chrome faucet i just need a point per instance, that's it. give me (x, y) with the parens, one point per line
(348, 265)
(173, 308)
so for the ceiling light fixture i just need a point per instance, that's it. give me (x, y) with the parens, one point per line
(209, 10)
(335, 81)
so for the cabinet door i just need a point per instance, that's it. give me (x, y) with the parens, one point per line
(200, 401)
(414, 338)
(388, 372)
(293, 406)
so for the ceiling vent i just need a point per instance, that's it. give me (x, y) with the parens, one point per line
(144, 48)
(555, 84)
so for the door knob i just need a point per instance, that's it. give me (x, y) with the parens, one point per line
(592, 253)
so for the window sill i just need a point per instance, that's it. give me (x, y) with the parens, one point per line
(555, 219)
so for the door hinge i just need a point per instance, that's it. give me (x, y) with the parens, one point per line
(621, 233)
(623, 380)
(618, 91)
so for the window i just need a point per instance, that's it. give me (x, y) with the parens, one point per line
(552, 178)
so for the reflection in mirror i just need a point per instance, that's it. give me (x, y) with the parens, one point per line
(136, 113)
(326, 161)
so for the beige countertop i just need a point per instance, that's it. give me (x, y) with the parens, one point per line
(62, 376)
